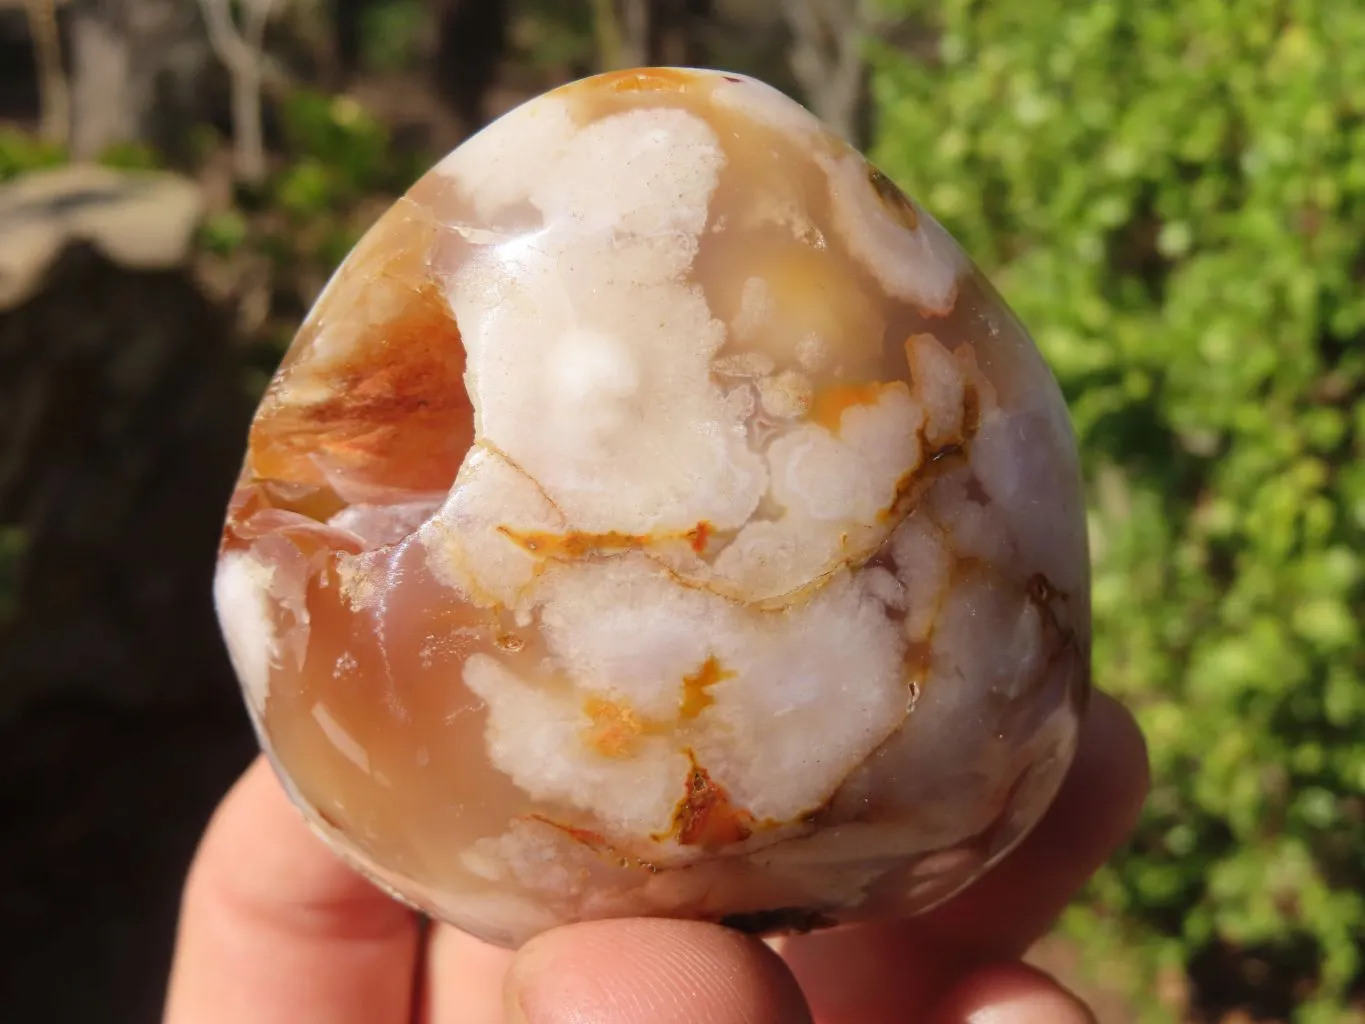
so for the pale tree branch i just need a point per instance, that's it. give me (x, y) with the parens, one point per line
(636, 18)
(53, 91)
(622, 28)
(242, 52)
(827, 57)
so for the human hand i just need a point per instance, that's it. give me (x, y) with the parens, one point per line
(274, 928)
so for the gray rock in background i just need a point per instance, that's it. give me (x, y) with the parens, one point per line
(139, 222)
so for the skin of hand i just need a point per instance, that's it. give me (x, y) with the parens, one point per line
(274, 929)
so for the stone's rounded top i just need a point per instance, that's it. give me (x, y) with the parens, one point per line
(635, 498)
(617, 286)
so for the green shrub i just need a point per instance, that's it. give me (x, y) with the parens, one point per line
(21, 152)
(130, 156)
(1171, 193)
(391, 34)
(553, 34)
(338, 152)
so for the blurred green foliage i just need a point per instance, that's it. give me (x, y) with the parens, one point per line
(553, 34)
(21, 152)
(337, 153)
(1171, 193)
(391, 34)
(130, 156)
(335, 170)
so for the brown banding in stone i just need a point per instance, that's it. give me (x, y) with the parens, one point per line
(971, 411)
(573, 545)
(1062, 639)
(596, 842)
(897, 203)
(918, 657)
(587, 837)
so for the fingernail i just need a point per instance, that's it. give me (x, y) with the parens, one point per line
(1045, 1007)
(524, 993)
(513, 1010)
(1011, 994)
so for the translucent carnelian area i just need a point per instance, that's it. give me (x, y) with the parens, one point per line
(371, 727)
(649, 80)
(391, 413)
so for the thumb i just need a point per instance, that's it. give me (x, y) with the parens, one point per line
(662, 972)
(1010, 994)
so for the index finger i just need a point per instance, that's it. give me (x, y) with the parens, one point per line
(275, 928)
(871, 973)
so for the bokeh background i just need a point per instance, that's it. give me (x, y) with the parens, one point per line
(1170, 192)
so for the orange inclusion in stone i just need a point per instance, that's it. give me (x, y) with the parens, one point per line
(579, 835)
(571, 545)
(649, 80)
(614, 728)
(700, 535)
(696, 697)
(831, 403)
(705, 816)
(395, 412)
(577, 544)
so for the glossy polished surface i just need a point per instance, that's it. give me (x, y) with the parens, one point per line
(658, 514)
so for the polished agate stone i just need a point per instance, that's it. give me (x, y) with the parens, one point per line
(659, 515)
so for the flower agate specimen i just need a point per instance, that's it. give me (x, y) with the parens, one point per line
(659, 515)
